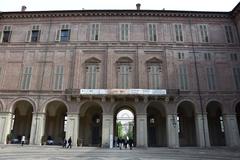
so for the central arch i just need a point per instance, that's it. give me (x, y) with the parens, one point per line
(21, 121)
(156, 125)
(55, 125)
(124, 123)
(90, 126)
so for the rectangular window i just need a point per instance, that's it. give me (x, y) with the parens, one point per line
(233, 57)
(178, 32)
(95, 32)
(34, 34)
(203, 33)
(124, 32)
(152, 32)
(123, 76)
(6, 34)
(236, 75)
(207, 56)
(180, 56)
(154, 76)
(59, 74)
(183, 77)
(91, 76)
(63, 35)
(229, 34)
(211, 79)
(26, 78)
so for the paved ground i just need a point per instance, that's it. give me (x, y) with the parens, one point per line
(89, 153)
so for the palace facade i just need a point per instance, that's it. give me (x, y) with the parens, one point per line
(68, 74)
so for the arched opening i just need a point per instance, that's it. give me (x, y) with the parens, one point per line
(21, 121)
(186, 124)
(215, 124)
(90, 128)
(55, 125)
(238, 115)
(124, 125)
(156, 125)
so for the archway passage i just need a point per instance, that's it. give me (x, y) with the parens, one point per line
(21, 121)
(90, 129)
(238, 115)
(156, 125)
(186, 124)
(215, 124)
(55, 126)
(124, 125)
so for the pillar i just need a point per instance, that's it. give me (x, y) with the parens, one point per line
(37, 128)
(202, 130)
(231, 130)
(5, 126)
(72, 127)
(172, 131)
(141, 130)
(107, 130)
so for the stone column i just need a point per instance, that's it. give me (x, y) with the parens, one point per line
(231, 130)
(107, 130)
(202, 130)
(172, 131)
(141, 130)
(37, 128)
(5, 126)
(72, 127)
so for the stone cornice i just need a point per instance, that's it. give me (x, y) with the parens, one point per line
(116, 13)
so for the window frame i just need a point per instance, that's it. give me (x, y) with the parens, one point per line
(177, 34)
(122, 32)
(58, 77)
(95, 31)
(152, 33)
(203, 33)
(26, 78)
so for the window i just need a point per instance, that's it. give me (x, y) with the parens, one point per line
(123, 76)
(154, 76)
(233, 57)
(183, 77)
(180, 56)
(207, 56)
(59, 73)
(229, 34)
(236, 75)
(211, 79)
(34, 34)
(63, 35)
(178, 33)
(95, 32)
(26, 78)
(203, 33)
(91, 76)
(152, 32)
(5, 35)
(124, 32)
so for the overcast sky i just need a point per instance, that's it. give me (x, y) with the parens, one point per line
(197, 5)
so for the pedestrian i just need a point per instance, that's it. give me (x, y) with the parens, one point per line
(23, 140)
(120, 143)
(130, 142)
(64, 143)
(125, 143)
(69, 143)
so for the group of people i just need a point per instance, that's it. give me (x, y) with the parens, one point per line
(69, 142)
(124, 143)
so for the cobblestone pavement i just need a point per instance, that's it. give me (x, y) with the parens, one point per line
(90, 153)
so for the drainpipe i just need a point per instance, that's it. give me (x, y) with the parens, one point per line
(198, 82)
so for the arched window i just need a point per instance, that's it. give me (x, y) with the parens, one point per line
(92, 73)
(154, 70)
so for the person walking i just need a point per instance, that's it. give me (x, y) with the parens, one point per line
(64, 143)
(69, 143)
(23, 140)
(130, 142)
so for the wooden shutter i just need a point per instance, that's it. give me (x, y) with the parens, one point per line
(57, 35)
(28, 36)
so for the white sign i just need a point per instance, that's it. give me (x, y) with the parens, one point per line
(123, 92)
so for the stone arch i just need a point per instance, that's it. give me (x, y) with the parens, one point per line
(192, 101)
(90, 124)
(186, 123)
(154, 60)
(93, 60)
(27, 99)
(123, 105)
(56, 119)
(1, 105)
(156, 124)
(213, 100)
(43, 110)
(234, 105)
(215, 123)
(124, 60)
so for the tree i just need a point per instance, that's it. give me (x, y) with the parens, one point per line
(120, 129)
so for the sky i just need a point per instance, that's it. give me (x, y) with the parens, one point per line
(191, 5)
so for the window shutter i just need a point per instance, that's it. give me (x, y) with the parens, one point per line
(39, 35)
(57, 36)
(1, 36)
(28, 36)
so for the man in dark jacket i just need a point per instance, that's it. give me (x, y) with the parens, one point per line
(69, 143)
